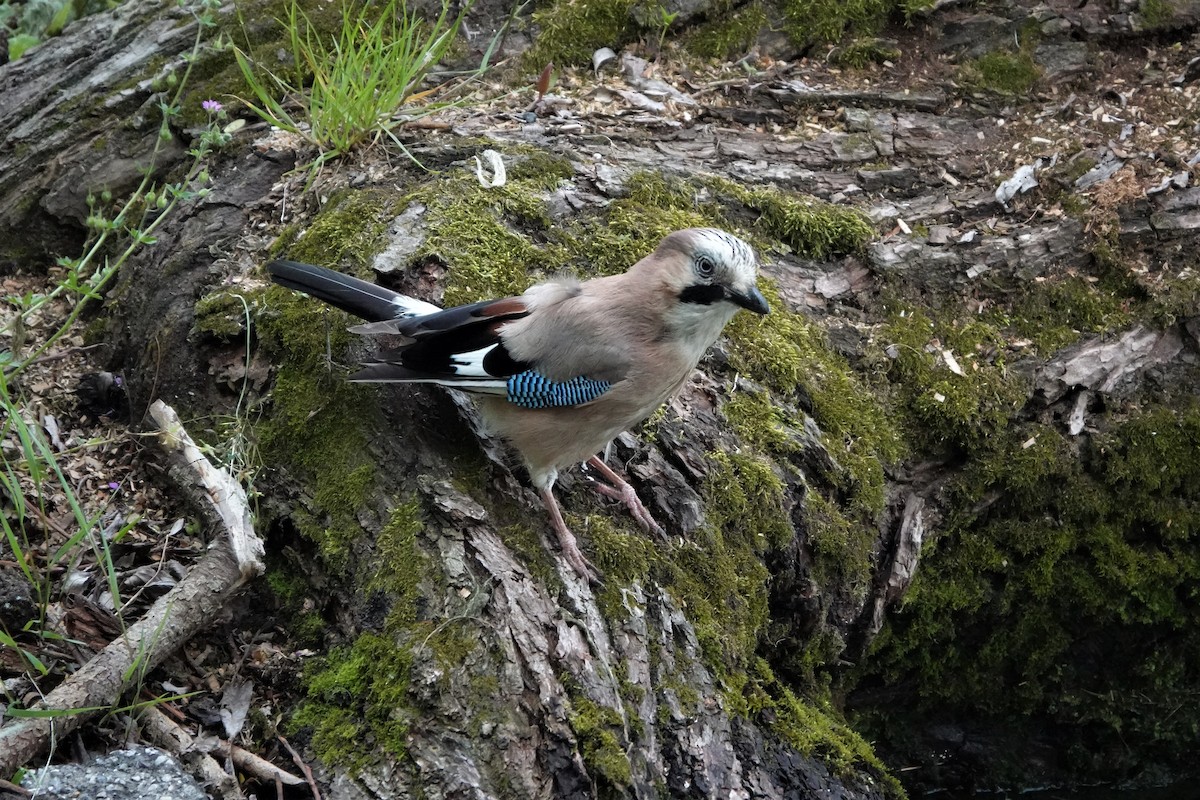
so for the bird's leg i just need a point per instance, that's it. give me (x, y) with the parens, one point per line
(566, 539)
(621, 490)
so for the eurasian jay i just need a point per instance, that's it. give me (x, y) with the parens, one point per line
(563, 369)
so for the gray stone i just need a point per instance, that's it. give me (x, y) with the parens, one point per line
(976, 35)
(133, 774)
(1062, 59)
(16, 600)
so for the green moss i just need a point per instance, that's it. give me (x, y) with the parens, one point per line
(946, 408)
(1076, 168)
(318, 422)
(308, 628)
(1175, 299)
(727, 37)
(723, 588)
(721, 579)
(349, 230)
(623, 556)
(657, 190)
(1057, 313)
(763, 423)
(287, 586)
(820, 732)
(401, 565)
(314, 431)
(569, 31)
(475, 230)
(810, 227)
(1069, 596)
(810, 21)
(305, 625)
(533, 164)
(452, 644)
(358, 701)
(787, 353)
(745, 497)
(842, 546)
(858, 432)
(1073, 205)
(222, 314)
(1156, 13)
(816, 730)
(859, 53)
(597, 728)
(632, 226)
(1003, 72)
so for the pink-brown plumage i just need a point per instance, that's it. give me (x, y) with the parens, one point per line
(632, 339)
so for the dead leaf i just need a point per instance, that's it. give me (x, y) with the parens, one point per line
(235, 705)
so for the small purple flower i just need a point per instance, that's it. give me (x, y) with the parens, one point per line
(114, 485)
(211, 106)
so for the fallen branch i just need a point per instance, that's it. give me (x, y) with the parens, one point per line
(168, 735)
(217, 496)
(307, 770)
(165, 734)
(194, 604)
(14, 790)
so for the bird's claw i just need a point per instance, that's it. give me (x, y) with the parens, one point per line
(626, 494)
(586, 569)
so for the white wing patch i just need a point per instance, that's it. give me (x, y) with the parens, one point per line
(470, 365)
(409, 307)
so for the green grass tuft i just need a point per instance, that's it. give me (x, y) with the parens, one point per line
(360, 80)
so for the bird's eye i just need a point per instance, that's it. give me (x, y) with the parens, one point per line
(704, 266)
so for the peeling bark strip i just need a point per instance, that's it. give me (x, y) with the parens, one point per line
(1102, 365)
(177, 616)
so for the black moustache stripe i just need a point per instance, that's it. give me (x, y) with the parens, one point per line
(702, 293)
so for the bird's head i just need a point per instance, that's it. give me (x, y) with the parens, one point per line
(710, 269)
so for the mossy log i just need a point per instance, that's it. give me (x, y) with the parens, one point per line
(819, 462)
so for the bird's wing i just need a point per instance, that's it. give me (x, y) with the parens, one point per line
(471, 348)
(467, 347)
(362, 299)
(458, 346)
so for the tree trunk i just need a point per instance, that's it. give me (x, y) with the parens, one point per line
(475, 662)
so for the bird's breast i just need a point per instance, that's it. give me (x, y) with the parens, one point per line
(557, 438)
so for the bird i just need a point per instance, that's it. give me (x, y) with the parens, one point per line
(564, 368)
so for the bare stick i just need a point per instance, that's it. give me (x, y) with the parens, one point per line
(163, 731)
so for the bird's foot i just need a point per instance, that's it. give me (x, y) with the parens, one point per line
(566, 541)
(622, 490)
(571, 552)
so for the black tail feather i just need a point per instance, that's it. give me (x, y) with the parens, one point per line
(360, 298)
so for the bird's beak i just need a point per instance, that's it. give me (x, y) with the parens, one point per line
(752, 300)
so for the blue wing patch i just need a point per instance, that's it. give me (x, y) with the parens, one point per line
(528, 389)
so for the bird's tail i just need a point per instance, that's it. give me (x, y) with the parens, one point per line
(360, 298)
